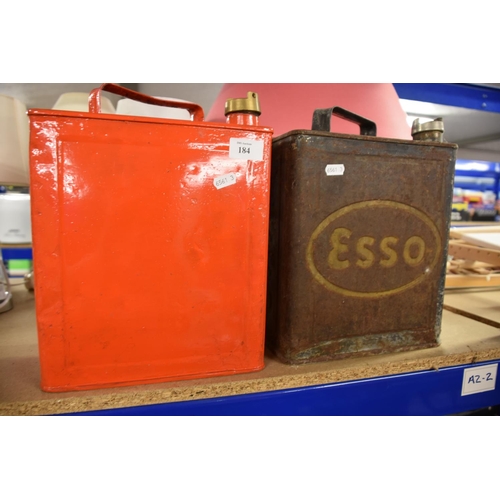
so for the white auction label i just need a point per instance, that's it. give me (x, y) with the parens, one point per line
(246, 148)
(224, 181)
(480, 379)
(338, 169)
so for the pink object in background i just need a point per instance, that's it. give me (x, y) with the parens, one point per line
(290, 106)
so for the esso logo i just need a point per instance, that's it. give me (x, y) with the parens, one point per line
(374, 249)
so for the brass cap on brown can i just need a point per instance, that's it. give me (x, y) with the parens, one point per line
(436, 125)
(428, 131)
(249, 104)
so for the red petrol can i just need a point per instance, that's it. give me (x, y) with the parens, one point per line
(150, 241)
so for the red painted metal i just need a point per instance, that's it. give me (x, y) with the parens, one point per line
(146, 270)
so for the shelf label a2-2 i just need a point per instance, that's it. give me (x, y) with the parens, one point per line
(480, 379)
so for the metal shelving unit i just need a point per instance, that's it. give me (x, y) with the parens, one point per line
(433, 392)
(430, 392)
(462, 95)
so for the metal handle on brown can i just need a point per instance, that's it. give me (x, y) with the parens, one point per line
(322, 117)
(195, 110)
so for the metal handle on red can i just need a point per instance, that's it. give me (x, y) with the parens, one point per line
(322, 117)
(195, 110)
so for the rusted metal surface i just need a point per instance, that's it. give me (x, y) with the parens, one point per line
(358, 244)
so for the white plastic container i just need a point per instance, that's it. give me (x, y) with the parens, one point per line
(135, 108)
(79, 101)
(14, 142)
(15, 218)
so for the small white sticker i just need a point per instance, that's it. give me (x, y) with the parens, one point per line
(246, 148)
(480, 379)
(224, 181)
(335, 169)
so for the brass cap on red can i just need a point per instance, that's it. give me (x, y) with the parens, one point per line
(249, 104)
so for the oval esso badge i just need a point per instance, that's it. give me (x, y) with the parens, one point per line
(373, 249)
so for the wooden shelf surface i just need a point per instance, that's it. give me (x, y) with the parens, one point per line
(463, 340)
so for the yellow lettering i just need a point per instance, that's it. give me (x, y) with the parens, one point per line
(368, 257)
(338, 248)
(420, 244)
(392, 256)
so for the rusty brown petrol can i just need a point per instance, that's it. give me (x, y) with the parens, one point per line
(359, 231)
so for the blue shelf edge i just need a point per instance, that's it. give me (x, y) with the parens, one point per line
(423, 393)
(463, 95)
(12, 253)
